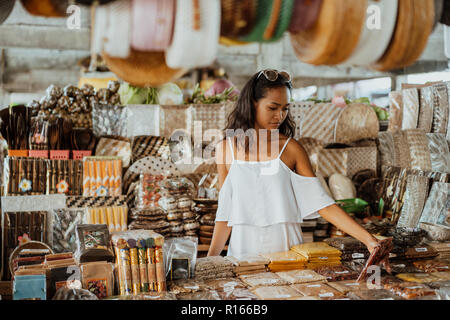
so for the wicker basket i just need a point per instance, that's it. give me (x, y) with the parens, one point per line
(28, 245)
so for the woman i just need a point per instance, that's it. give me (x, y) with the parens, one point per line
(262, 202)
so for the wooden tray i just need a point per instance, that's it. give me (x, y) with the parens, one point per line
(335, 34)
(414, 25)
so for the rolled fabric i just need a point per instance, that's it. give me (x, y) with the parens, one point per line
(374, 41)
(304, 15)
(112, 29)
(152, 24)
(191, 48)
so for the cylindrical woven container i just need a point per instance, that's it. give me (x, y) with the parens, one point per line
(112, 29)
(46, 8)
(237, 17)
(143, 68)
(414, 25)
(375, 39)
(152, 24)
(6, 7)
(356, 122)
(304, 15)
(195, 40)
(335, 34)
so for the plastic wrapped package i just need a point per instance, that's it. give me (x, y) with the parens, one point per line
(109, 120)
(146, 296)
(199, 295)
(321, 290)
(66, 293)
(414, 201)
(416, 277)
(25, 176)
(347, 286)
(213, 267)
(30, 287)
(336, 273)
(145, 146)
(182, 256)
(302, 276)
(237, 294)
(263, 279)
(186, 286)
(341, 187)
(114, 148)
(379, 294)
(93, 243)
(395, 111)
(62, 224)
(432, 265)
(224, 285)
(116, 218)
(443, 293)
(102, 176)
(98, 278)
(409, 290)
(63, 276)
(38, 134)
(276, 293)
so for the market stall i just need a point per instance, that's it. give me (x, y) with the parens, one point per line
(112, 192)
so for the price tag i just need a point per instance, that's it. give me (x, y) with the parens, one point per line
(357, 255)
(323, 258)
(314, 286)
(341, 272)
(421, 249)
(416, 287)
(352, 284)
(399, 265)
(326, 295)
(309, 276)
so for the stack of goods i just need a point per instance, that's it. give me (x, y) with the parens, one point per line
(443, 249)
(378, 294)
(102, 176)
(337, 273)
(114, 217)
(206, 209)
(346, 286)
(150, 219)
(214, 267)
(248, 264)
(262, 279)
(308, 227)
(351, 248)
(63, 271)
(302, 276)
(74, 103)
(230, 289)
(285, 261)
(139, 261)
(276, 293)
(29, 261)
(321, 230)
(26, 176)
(98, 278)
(409, 290)
(320, 290)
(417, 277)
(318, 254)
(16, 225)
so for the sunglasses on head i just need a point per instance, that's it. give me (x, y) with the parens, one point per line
(272, 74)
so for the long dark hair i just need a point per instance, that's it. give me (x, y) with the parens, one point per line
(244, 114)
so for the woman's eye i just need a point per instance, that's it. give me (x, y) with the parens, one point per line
(273, 109)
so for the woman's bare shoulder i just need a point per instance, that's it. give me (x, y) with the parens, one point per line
(297, 158)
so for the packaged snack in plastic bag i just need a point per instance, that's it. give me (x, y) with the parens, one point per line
(182, 256)
(66, 293)
(98, 278)
(93, 243)
(62, 223)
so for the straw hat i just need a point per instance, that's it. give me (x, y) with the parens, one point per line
(195, 40)
(46, 8)
(414, 25)
(373, 41)
(6, 6)
(143, 68)
(335, 34)
(238, 17)
(152, 24)
(356, 122)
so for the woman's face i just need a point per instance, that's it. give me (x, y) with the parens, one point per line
(272, 110)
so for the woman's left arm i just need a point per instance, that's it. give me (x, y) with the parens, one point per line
(333, 214)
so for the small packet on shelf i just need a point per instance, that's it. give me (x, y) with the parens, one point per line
(182, 256)
(93, 243)
(98, 278)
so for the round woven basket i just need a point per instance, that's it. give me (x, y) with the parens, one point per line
(335, 34)
(28, 245)
(143, 69)
(435, 232)
(6, 6)
(415, 22)
(356, 122)
(46, 8)
(237, 17)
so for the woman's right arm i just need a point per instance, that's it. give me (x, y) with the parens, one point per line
(221, 229)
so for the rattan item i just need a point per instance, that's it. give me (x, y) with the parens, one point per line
(319, 122)
(143, 69)
(436, 202)
(425, 118)
(237, 17)
(386, 148)
(375, 39)
(6, 8)
(334, 36)
(414, 201)
(414, 25)
(152, 24)
(439, 152)
(356, 122)
(395, 110)
(411, 103)
(305, 15)
(196, 33)
(402, 154)
(435, 232)
(146, 146)
(418, 149)
(440, 107)
(46, 8)
(297, 111)
(27, 245)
